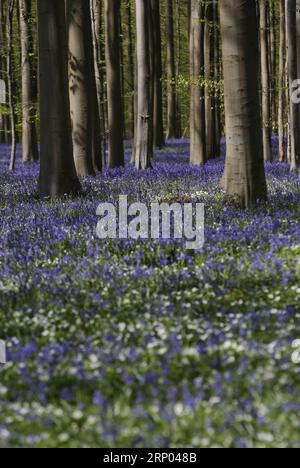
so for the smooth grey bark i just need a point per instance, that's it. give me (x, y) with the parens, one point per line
(99, 66)
(292, 76)
(282, 84)
(143, 147)
(113, 73)
(57, 169)
(216, 77)
(3, 135)
(272, 25)
(29, 136)
(82, 89)
(152, 52)
(170, 48)
(298, 41)
(298, 38)
(265, 81)
(197, 100)
(210, 119)
(10, 80)
(158, 126)
(130, 70)
(96, 18)
(132, 160)
(122, 69)
(178, 58)
(244, 178)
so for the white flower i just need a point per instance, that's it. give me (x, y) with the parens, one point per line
(64, 437)
(77, 415)
(296, 344)
(296, 357)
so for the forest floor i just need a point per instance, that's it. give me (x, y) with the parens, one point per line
(129, 343)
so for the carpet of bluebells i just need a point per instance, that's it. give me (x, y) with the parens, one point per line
(142, 343)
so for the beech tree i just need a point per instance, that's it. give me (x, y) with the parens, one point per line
(114, 95)
(210, 121)
(10, 80)
(244, 178)
(294, 130)
(282, 81)
(197, 100)
(143, 143)
(158, 125)
(130, 67)
(265, 79)
(57, 170)
(29, 136)
(171, 117)
(82, 88)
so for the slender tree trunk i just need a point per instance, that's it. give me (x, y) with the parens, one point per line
(265, 79)
(216, 77)
(143, 148)
(209, 76)
(282, 82)
(57, 171)
(273, 59)
(113, 72)
(6, 119)
(10, 80)
(189, 13)
(158, 128)
(197, 102)
(298, 40)
(103, 109)
(292, 74)
(122, 69)
(152, 53)
(244, 180)
(29, 137)
(171, 117)
(3, 84)
(130, 65)
(96, 18)
(2, 67)
(135, 106)
(177, 67)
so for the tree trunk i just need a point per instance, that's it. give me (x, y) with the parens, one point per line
(244, 178)
(171, 117)
(298, 41)
(158, 127)
(177, 66)
(57, 171)
(10, 81)
(273, 59)
(103, 109)
(282, 81)
(265, 80)
(113, 73)
(143, 147)
(29, 137)
(3, 135)
(130, 71)
(217, 78)
(292, 74)
(82, 89)
(209, 76)
(197, 100)
(96, 19)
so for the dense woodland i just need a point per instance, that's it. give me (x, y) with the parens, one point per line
(150, 71)
(137, 341)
